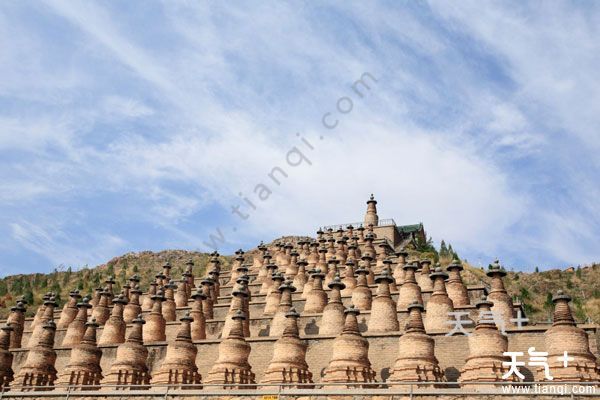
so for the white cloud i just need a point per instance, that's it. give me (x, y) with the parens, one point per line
(467, 99)
(61, 249)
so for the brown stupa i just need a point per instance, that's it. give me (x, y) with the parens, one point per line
(38, 371)
(503, 305)
(198, 326)
(292, 269)
(83, 371)
(262, 271)
(303, 248)
(188, 274)
(416, 360)
(361, 295)
(309, 283)
(214, 268)
(232, 365)
(96, 296)
(166, 273)
(316, 300)
(215, 289)
(361, 237)
(380, 257)
(207, 303)
(16, 320)
(287, 256)
(383, 308)
(243, 282)
(114, 329)
(285, 304)
(101, 311)
(6, 357)
(155, 324)
(169, 308)
(38, 330)
(179, 366)
(274, 295)
(147, 302)
(313, 256)
(350, 358)
(332, 269)
(133, 308)
(455, 287)
(371, 217)
(108, 288)
(349, 278)
(69, 311)
(76, 329)
(125, 290)
(237, 304)
(182, 293)
(288, 364)
(129, 367)
(267, 282)
(39, 313)
(134, 280)
(332, 321)
(257, 259)
(410, 290)
(486, 348)
(322, 261)
(439, 304)
(565, 336)
(237, 262)
(331, 250)
(387, 266)
(300, 278)
(367, 257)
(399, 270)
(342, 250)
(423, 280)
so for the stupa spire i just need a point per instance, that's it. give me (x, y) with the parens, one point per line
(384, 317)
(439, 305)
(332, 321)
(371, 217)
(114, 329)
(76, 329)
(154, 327)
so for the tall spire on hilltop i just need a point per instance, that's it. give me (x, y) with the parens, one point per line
(371, 217)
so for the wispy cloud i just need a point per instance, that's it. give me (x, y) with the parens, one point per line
(146, 126)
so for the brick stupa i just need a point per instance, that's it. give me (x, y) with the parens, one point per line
(83, 370)
(350, 359)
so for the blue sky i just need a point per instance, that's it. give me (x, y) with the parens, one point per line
(136, 126)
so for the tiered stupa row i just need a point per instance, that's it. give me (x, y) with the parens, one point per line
(354, 305)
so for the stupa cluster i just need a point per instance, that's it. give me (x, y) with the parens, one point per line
(298, 313)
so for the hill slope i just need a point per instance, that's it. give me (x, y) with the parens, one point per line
(533, 289)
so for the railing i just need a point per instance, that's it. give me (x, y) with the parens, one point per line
(382, 222)
(411, 389)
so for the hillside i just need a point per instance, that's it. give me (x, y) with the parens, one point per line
(145, 264)
(533, 289)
